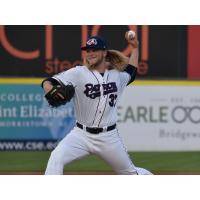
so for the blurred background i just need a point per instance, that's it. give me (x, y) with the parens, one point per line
(159, 114)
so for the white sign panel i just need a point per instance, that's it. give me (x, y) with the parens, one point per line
(160, 118)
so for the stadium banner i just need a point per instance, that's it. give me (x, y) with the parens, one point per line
(26, 120)
(41, 51)
(161, 116)
(152, 116)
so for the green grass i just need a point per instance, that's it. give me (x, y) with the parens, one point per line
(154, 161)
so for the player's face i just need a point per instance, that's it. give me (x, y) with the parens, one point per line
(95, 57)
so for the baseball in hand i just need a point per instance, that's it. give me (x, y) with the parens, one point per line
(131, 34)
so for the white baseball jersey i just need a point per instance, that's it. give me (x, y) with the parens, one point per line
(96, 96)
(95, 100)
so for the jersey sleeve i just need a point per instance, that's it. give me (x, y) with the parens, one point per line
(124, 79)
(132, 71)
(67, 77)
(128, 75)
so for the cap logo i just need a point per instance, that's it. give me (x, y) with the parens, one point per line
(92, 41)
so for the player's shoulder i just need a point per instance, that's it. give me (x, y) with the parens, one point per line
(72, 70)
(77, 68)
(114, 72)
(81, 68)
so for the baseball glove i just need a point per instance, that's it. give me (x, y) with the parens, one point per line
(60, 95)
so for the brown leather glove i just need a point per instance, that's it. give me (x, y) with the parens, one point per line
(60, 95)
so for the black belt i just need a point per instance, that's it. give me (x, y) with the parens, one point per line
(96, 130)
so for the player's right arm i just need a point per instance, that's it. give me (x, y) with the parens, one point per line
(47, 85)
(63, 78)
(60, 88)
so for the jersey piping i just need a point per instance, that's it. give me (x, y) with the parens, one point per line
(98, 101)
(105, 104)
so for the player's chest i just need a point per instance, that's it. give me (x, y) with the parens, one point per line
(95, 85)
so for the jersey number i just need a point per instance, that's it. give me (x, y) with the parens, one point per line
(112, 101)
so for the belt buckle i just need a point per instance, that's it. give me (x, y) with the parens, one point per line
(99, 130)
(95, 130)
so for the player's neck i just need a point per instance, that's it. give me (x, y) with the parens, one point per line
(101, 68)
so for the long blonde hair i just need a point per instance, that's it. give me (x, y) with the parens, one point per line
(114, 59)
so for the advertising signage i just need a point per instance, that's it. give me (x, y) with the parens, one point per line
(40, 51)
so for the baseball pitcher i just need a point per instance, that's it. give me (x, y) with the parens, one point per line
(95, 89)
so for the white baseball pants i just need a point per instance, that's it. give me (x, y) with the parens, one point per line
(79, 143)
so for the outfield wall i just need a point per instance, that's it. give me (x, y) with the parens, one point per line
(153, 116)
(26, 115)
(161, 116)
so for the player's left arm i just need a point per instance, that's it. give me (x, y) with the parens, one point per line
(133, 42)
(132, 66)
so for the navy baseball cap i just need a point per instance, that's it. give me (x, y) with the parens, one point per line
(95, 42)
